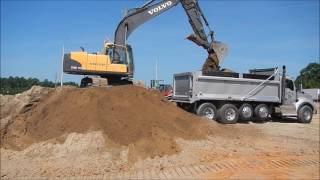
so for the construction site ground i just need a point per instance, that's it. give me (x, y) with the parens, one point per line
(134, 133)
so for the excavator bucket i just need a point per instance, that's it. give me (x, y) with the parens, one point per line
(215, 57)
(221, 50)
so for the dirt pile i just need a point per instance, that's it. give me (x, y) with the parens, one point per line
(12, 105)
(126, 115)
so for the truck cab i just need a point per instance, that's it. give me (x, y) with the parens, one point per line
(295, 100)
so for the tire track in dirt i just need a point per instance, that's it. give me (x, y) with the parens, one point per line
(234, 166)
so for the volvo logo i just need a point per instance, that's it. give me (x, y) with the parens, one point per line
(160, 7)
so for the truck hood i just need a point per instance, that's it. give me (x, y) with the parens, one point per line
(304, 95)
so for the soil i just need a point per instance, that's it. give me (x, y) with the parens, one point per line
(129, 132)
(12, 105)
(127, 115)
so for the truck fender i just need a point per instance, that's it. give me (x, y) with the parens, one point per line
(302, 102)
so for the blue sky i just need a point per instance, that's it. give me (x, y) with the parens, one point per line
(260, 34)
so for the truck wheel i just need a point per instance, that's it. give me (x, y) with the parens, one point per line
(261, 112)
(228, 114)
(305, 114)
(207, 110)
(245, 112)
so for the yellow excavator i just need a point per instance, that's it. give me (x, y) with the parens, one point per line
(115, 65)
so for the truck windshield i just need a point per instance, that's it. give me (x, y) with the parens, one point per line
(289, 84)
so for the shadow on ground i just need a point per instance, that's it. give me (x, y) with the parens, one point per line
(278, 119)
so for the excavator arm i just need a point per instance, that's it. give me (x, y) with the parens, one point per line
(195, 17)
(137, 16)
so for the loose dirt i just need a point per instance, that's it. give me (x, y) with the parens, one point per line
(126, 115)
(12, 105)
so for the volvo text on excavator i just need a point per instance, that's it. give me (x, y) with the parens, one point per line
(115, 63)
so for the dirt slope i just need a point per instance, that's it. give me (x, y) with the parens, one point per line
(127, 115)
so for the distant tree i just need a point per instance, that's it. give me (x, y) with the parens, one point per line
(47, 83)
(15, 85)
(309, 76)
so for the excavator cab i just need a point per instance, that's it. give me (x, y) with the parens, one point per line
(120, 55)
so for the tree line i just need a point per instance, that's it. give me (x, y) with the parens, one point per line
(309, 76)
(15, 85)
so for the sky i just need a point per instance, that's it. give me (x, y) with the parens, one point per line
(260, 34)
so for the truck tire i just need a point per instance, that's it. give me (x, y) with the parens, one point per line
(305, 114)
(207, 110)
(228, 114)
(245, 112)
(262, 112)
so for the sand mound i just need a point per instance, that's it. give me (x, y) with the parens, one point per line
(12, 105)
(126, 115)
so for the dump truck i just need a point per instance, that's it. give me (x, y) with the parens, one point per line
(229, 97)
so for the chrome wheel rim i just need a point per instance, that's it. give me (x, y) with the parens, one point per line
(208, 113)
(307, 115)
(263, 112)
(230, 114)
(246, 112)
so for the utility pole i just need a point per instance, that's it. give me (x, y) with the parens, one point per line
(61, 76)
(157, 68)
(55, 79)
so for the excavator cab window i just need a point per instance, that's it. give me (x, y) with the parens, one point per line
(130, 59)
(109, 52)
(120, 54)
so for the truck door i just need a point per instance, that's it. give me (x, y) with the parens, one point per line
(288, 107)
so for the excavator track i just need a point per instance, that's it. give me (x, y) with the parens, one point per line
(103, 82)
